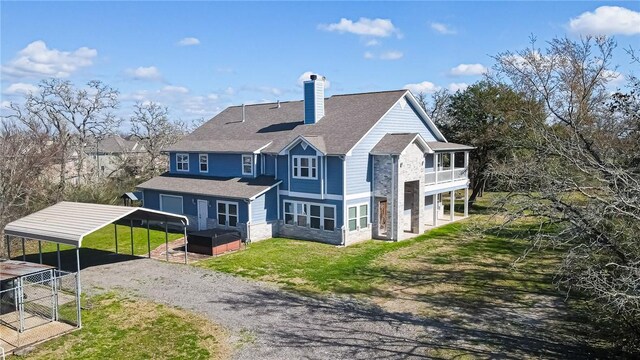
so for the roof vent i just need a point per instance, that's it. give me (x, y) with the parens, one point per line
(278, 104)
(243, 113)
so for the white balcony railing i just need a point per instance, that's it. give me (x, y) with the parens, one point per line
(445, 175)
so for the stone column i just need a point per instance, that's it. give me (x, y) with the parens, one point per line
(435, 209)
(466, 201)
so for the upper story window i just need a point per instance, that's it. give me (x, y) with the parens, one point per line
(182, 162)
(305, 167)
(247, 164)
(204, 162)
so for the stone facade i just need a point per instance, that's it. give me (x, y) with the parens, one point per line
(306, 233)
(263, 231)
(356, 236)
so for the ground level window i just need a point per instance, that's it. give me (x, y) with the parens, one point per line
(316, 216)
(171, 203)
(358, 217)
(227, 213)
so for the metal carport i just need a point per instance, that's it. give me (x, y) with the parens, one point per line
(69, 222)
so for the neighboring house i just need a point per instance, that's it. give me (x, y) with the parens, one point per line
(109, 155)
(337, 170)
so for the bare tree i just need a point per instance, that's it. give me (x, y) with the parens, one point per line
(150, 123)
(578, 173)
(435, 105)
(24, 157)
(72, 116)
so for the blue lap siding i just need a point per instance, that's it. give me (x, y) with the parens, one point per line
(189, 203)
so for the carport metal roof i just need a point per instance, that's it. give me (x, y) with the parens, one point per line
(69, 222)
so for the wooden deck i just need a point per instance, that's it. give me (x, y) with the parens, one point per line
(39, 330)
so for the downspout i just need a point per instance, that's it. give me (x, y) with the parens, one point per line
(344, 199)
(394, 215)
(248, 220)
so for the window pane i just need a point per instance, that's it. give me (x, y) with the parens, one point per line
(313, 172)
(353, 212)
(315, 222)
(304, 172)
(329, 224)
(295, 161)
(288, 219)
(246, 169)
(363, 222)
(288, 207)
(304, 162)
(171, 204)
(315, 210)
(203, 167)
(221, 208)
(203, 158)
(233, 220)
(328, 212)
(295, 171)
(246, 160)
(363, 210)
(233, 209)
(222, 219)
(302, 220)
(352, 224)
(313, 162)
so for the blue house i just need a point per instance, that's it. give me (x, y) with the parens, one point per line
(337, 170)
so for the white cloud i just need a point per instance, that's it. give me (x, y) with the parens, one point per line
(21, 88)
(145, 73)
(306, 75)
(189, 41)
(468, 69)
(175, 89)
(372, 42)
(212, 96)
(37, 60)
(386, 55)
(442, 28)
(615, 78)
(457, 86)
(230, 91)
(364, 27)
(5, 104)
(426, 87)
(391, 55)
(607, 20)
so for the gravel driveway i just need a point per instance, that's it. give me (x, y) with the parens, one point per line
(269, 323)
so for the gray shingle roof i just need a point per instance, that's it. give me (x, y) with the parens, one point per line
(115, 144)
(238, 188)
(393, 144)
(347, 119)
(445, 146)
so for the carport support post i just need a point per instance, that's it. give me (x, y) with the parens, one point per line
(40, 250)
(115, 228)
(8, 246)
(78, 289)
(24, 253)
(131, 228)
(166, 240)
(58, 251)
(186, 243)
(148, 240)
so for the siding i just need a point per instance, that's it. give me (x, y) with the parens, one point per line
(334, 175)
(269, 165)
(283, 173)
(305, 185)
(398, 120)
(265, 207)
(226, 165)
(189, 203)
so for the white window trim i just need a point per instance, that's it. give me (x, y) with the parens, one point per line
(173, 196)
(252, 164)
(237, 215)
(200, 162)
(358, 216)
(188, 160)
(295, 204)
(299, 167)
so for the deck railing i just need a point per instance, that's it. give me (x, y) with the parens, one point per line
(445, 175)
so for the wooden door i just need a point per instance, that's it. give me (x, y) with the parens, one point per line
(382, 217)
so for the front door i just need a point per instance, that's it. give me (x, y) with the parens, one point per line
(382, 217)
(203, 211)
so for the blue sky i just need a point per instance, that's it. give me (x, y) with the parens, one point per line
(199, 57)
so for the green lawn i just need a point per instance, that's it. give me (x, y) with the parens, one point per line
(116, 327)
(104, 239)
